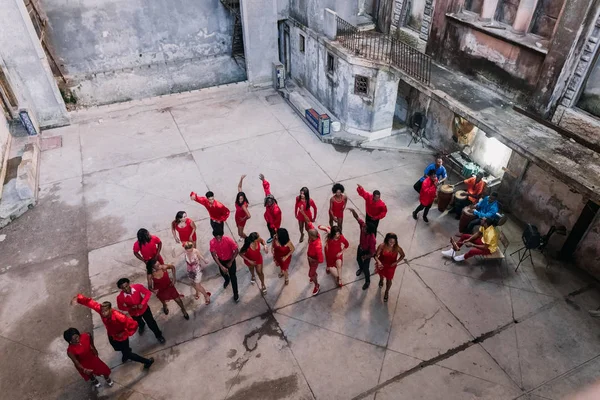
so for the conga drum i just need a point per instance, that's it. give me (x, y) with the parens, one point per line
(444, 197)
(460, 195)
(466, 217)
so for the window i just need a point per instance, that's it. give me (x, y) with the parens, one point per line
(474, 5)
(301, 45)
(545, 17)
(330, 63)
(590, 96)
(507, 11)
(361, 85)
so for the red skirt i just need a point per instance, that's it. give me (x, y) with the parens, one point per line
(387, 272)
(169, 293)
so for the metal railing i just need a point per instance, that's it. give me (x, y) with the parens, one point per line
(384, 48)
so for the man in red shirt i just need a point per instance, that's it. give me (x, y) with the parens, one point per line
(426, 195)
(134, 300)
(216, 210)
(272, 210)
(314, 254)
(118, 326)
(224, 250)
(375, 207)
(366, 248)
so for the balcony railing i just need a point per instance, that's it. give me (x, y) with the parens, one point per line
(384, 48)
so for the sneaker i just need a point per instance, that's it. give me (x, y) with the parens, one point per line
(269, 240)
(149, 363)
(96, 384)
(109, 382)
(161, 340)
(415, 215)
(252, 281)
(358, 272)
(459, 258)
(425, 219)
(316, 289)
(366, 286)
(236, 299)
(448, 253)
(594, 313)
(142, 329)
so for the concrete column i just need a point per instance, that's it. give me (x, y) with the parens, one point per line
(259, 23)
(489, 9)
(28, 68)
(330, 24)
(524, 15)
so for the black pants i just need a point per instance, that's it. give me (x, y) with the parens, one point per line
(123, 347)
(217, 225)
(373, 221)
(232, 277)
(148, 318)
(272, 231)
(364, 264)
(472, 225)
(422, 207)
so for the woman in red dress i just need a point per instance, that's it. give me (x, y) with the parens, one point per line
(305, 203)
(84, 355)
(147, 247)
(388, 256)
(253, 258)
(163, 286)
(242, 215)
(283, 248)
(272, 210)
(337, 205)
(183, 227)
(335, 246)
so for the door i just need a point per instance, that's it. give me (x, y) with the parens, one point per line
(286, 51)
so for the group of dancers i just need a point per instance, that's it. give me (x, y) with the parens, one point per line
(134, 313)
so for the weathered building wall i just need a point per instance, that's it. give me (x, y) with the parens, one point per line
(116, 50)
(259, 22)
(312, 11)
(490, 153)
(587, 255)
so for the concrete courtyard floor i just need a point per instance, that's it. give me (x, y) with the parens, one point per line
(472, 331)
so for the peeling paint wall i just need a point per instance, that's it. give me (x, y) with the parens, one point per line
(490, 153)
(587, 255)
(120, 50)
(313, 11)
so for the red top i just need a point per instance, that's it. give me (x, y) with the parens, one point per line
(139, 295)
(474, 188)
(88, 360)
(149, 250)
(254, 255)
(186, 232)
(272, 212)
(240, 214)
(225, 249)
(217, 211)
(315, 247)
(118, 325)
(368, 242)
(278, 253)
(336, 208)
(301, 205)
(428, 192)
(335, 246)
(375, 209)
(387, 258)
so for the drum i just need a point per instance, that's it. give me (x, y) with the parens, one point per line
(466, 217)
(460, 195)
(444, 197)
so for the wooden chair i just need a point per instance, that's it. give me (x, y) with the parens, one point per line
(499, 253)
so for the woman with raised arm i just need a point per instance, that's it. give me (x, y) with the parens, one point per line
(163, 286)
(253, 258)
(337, 204)
(272, 210)
(388, 256)
(85, 358)
(283, 248)
(314, 253)
(183, 229)
(335, 245)
(193, 259)
(305, 203)
(242, 215)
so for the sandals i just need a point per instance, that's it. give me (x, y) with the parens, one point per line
(381, 283)
(281, 274)
(340, 283)
(385, 298)
(264, 291)
(252, 281)
(207, 302)
(287, 281)
(186, 316)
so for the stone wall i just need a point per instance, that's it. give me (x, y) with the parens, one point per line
(587, 255)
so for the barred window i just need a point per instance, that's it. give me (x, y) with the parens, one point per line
(361, 85)
(330, 63)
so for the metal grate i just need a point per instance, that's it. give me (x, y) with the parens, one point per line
(361, 85)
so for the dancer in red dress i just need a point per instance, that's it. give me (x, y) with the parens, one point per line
(305, 203)
(84, 355)
(183, 227)
(253, 258)
(314, 253)
(272, 212)
(242, 215)
(335, 246)
(147, 247)
(163, 286)
(388, 256)
(337, 204)
(376, 209)
(283, 248)
(216, 210)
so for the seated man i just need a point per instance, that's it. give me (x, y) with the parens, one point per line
(486, 208)
(482, 243)
(475, 186)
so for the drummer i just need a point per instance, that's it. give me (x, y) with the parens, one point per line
(486, 208)
(475, 186)
(482, 243)
(440, 171)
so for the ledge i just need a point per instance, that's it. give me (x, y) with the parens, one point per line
(501, 32)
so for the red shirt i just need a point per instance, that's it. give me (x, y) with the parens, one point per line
(272, 212)
(315, 247)
(335, 246)
(217, 211)
(225, 249)
(368, 241)
(301, 204)
(149, 250)
(118, 325)
(375, 209)
(474, 188)
(139, 295)
(428, 192)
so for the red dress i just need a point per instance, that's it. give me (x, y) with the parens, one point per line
(387, 258)
(333, 248)
(278, 253)
(254, 255)
(83, 353)
(301, 205)
(164, 290)
(336, 208)
(240, 214)
(149, 250)
(185, 232)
